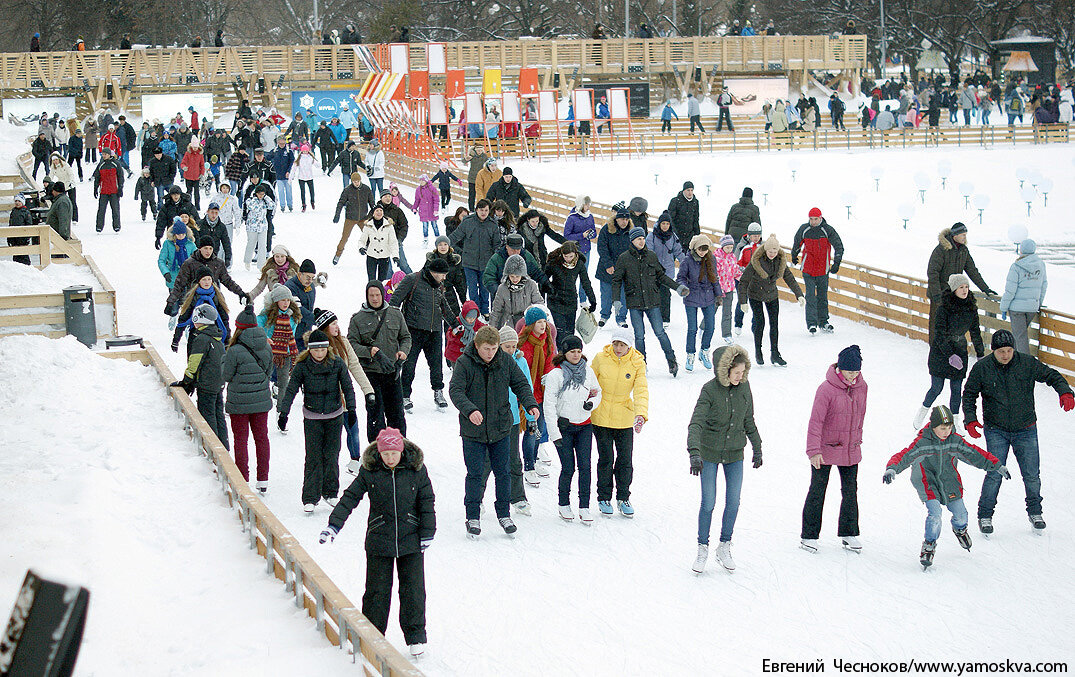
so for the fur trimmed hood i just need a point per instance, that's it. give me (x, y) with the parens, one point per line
(944, 238)
(781, 262)
(412, 457)
(722, 362)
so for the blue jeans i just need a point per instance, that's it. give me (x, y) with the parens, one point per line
(955, 392)
(1024, 444)
(161, 192)
(476, 290)
(708, 325)
(355, 444)
(283, 193)
(654, 316)
(475, 455)
(574, 449)
(733, 480)
(607, 300)
(738, 308)
(532, 442)
(377, 185)
(403, 265)
(933, 519)
(426, 225)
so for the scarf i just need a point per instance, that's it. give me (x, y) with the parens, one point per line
(574, 375)
(468, 328)
(282, 340)
(181, 253)
(663, 235)
(281, 272)
(537, 366)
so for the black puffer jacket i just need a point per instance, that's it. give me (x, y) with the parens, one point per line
(455, 285)
(247, 366)
(740, 216)
(562, 287)
(399, 219)
(321, 383)
(640, 273)
(480, 386)
(513, 194)
(1007, 391)
(401, 503)
(171, 209)
(948, 258)
(162, 171)
(684, 215)
(422, 301)
(955, 318)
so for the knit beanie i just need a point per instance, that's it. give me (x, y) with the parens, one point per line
(688, 184)
(205, 241)
(1002, 339)
(178, 227)
(533, 314)
(307, 266)
(507, 170)
(754, 228)
(508, 333)
(701, 241)
(280, 249)
(661, 219)
(389, 439)
(772, 244)
(727, 240)
(442, 238)
(280, 292)
(623, 335)
(203, 271)
(850, 359)
(748, 192)
(246, 318)
(958, 228)
(623, 214)
(957, 280)
(815, 213)
(323, 318)
(636, 233)
(438, 265)
(941, 415)
(570, 342)
(318, 339)
(1027, 246)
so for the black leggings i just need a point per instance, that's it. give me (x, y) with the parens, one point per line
(303, 184)
(193, 191)
(388, 407)
(757, 325)
(91, 153)
(73, 160)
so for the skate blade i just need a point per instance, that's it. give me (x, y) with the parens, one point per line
(812, 551)
(586, 523)
(857, 551)
(473, 537)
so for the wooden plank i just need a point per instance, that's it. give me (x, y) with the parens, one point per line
(31, 301)
(31, 319)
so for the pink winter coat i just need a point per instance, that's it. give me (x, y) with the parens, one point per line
(427, 201)
(835, 429)
(728, 270)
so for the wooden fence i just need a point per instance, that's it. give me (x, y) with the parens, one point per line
(880, 298)
(336, 616)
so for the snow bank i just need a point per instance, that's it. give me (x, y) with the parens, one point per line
(132, 513)
(17, 279)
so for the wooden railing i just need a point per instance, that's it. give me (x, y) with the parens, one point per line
(336, 616)
(179, 67)
(880, 298)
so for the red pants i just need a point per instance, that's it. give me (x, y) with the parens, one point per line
(258, 424)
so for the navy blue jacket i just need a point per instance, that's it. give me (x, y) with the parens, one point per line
(282, 159)
(307, 299)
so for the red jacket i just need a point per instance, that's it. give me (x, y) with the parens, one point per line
(108, 178)
(747, 252)
(194, 121)
(109, 140)
(454, 339)
(193, 164)
(817, 243)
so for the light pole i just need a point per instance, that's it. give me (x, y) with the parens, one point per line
(626, 19)
(883, 44)
(317, 21)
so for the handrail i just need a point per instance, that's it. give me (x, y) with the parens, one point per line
(892, 301)
(336, 616)
(210, 65)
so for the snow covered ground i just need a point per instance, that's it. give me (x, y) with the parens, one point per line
(132, 512)
(619, 597)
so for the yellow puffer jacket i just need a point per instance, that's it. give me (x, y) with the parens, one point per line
(620, 377)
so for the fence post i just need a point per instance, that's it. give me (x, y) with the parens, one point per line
(270, 558)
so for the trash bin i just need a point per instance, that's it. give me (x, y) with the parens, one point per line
(78, 313)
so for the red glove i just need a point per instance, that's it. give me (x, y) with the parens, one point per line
(1067, 401)
(974, 429)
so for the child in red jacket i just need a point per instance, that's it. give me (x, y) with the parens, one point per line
(462, 335)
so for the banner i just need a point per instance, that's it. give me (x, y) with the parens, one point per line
(24, 108)
(753, 92)
(325, 104)
(164, 106)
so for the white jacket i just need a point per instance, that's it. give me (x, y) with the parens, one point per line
(375, 162)
(268, 138)
(231, 212)
(304, 167)
(62, 172)
(568, 404)
(380, 243)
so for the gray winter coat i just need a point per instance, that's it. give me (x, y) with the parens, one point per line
(476, 240)
(393, 337)
(740, 216)
(247, 366)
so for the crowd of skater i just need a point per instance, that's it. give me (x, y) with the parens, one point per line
(505, 300)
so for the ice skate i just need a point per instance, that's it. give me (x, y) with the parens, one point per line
(851, 543)
(777, 360)
(353, 466)
(963, 536)
(332, 500)
(759, 359)
(700, 558)
(827, 328)
(920, 417)
(522, 507)
(262, 487)
(626, 509)
(704, 358)
(408, 406)
(605, 508)
(812, 330)
(808, 544)
(1037, 522)
(566, 513)
(438, 399)
(508, 526)
(416, 649)
(474, 528)
(585, 518)
(689, 365)
(532, 478)
(724, 555)
(926, 557)
(985, 525)
(308, 508)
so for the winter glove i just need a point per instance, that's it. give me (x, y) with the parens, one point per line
(889, 475)
(683, 290)
(362, 251)
(990, 292)
(587, 405)
(532, 428)
(1067, 401)
(395, 259)
(186, 385)
(169, 309)
(592, 308)
(282, 421)
(757, 458)
(834, 269)
(426, 542)
(696, 464)
(1003, 472)
(974, 429)
(802, 301)
(336, 219)
(244, 299)
(956, 361)
(352, 418)
(1004, 316)
(616, 305)
(175, 346)
(328, 535)
(371, 400)
(639, 422)
(794, 260)
(157, 243)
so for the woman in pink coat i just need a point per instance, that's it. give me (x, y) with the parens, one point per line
(426, 205)
(834, 438)
(192, 166)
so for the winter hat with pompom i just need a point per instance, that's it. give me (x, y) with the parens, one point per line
(772, 244)
(727, 240)
(850, 359)
(246, 319)
(178, 227)
(533, 314)
(1027, 246)
(958, 280)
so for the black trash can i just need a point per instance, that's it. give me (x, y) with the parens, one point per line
(78, 313)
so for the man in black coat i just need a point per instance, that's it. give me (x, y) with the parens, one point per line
(683, 210)
(420, 296)
(399, 222)
(210, 225)
(1006, 380)
(186, 277)
(481, 379)
(741, 215)
(639, 273)
(129, 138)
(508, 189)
(41, 149)
(174, 204)
(949, 257)
(161, 174)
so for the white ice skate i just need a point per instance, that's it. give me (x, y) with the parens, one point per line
(724, 556)
(851, 543)
(699, 560)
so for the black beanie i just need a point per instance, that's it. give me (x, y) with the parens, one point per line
(688, 184)
(570, 342)
(307, 266)
(204, 271)
(1002, 339)
(958, 227)
(318, 339)
(748, 192)
(205, 241)
(438, 265)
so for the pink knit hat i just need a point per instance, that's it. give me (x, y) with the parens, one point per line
(389, 439)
